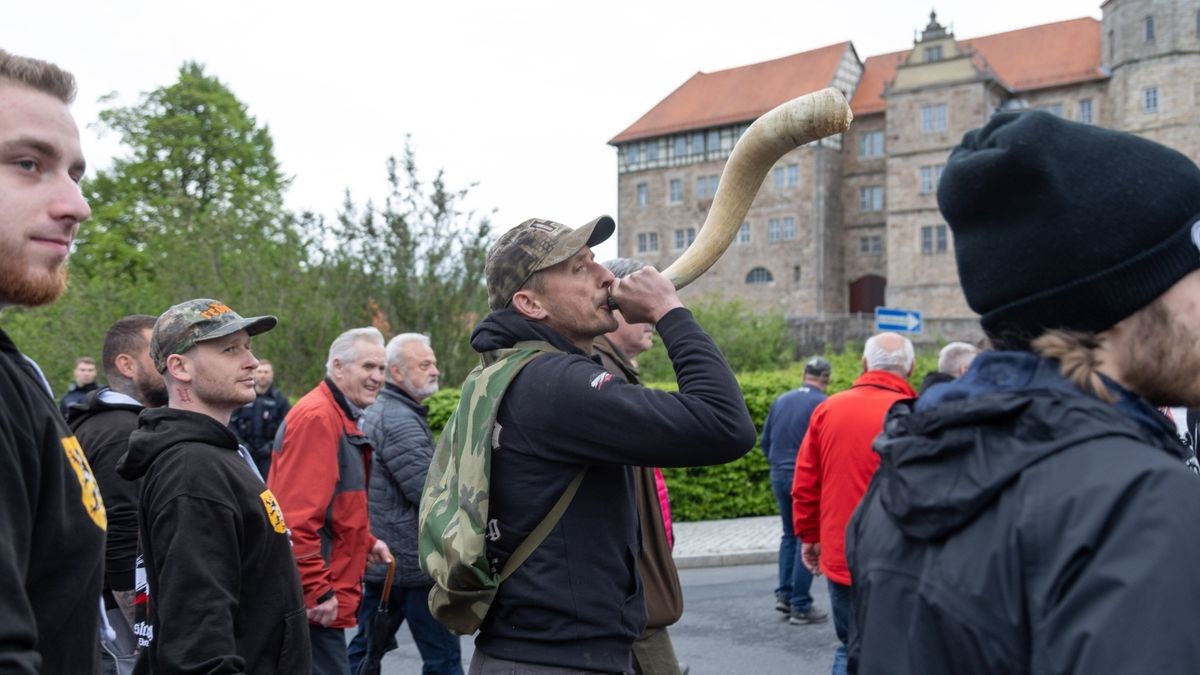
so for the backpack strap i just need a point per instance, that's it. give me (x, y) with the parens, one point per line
(539, 533)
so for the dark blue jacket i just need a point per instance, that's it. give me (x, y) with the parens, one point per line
(256, 423)
(787, 422)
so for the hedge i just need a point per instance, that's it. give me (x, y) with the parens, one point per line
(742, 487)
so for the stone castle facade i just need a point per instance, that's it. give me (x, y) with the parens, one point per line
(851, 223)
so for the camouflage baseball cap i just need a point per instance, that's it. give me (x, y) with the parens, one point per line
(182, 326)
(532, 246)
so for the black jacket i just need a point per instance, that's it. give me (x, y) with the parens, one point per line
(51, 532)
(255, 425)
(224, 591)
(75, 395)
(103, 430)
(577, 601)
(403, 445)
(1017, 525)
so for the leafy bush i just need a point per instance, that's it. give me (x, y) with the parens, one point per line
(749, 340)
(742, 487)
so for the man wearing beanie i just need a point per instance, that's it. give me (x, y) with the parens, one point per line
(1037, 515)
(225, 594)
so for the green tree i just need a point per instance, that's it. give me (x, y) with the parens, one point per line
(419, 261)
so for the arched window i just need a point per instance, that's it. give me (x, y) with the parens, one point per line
(759, 275)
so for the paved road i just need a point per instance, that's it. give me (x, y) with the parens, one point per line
(729, 627)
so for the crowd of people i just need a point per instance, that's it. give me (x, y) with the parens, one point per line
(1034, 509)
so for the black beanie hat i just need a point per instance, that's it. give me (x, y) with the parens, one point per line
(1059, 224)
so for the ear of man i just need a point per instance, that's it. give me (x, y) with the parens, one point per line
(179, 368)
(126, 366)
(527, 304)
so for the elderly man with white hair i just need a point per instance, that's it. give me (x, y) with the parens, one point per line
(953, 361)
(398, 429)
(835, 464)
(319, 477)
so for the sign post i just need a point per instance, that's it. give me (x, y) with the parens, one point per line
(893, 319)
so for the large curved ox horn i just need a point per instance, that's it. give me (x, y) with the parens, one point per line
(792, 124)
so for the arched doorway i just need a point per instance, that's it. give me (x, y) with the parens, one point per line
(866, 293)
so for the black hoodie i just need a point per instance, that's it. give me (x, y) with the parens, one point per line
(51, 532)
(224, 591)
(577, 602)
(1017, 525)
(103, 429)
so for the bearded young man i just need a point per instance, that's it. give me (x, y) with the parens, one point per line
(52, 517)
(576, 603)
(224, 590)
(103, 423)
(1037, 515)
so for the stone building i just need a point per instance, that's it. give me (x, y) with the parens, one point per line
(850, 223)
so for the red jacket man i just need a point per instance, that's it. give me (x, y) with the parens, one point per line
(836, 462)
(319, 477)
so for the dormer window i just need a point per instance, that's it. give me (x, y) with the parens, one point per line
(933, 53)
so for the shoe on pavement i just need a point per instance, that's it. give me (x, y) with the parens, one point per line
(813, 615)
(782, 605)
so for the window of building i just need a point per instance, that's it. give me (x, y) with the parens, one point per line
(933, 118)
(676, 191)
(759, 275)
(632, 153)
(698, 143)
(684, 237)
(1150, 99)
(1085, 111)
(1112, 46)
(706, 187)
(643, 195)
(781, 229)
(714, 140)
(743, 235)
(1148, 28)
(870, 144)
(652, 242)
(652, 151)
(930, 176)
(786, 176)
(933, 239)
(933, 53)
(795, 274)
(872, 245)
(642, 242)
(870, 198)
(680, 146)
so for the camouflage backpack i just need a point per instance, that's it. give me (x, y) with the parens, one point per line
(452, 544)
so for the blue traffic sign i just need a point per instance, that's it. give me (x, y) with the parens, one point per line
(890, 318)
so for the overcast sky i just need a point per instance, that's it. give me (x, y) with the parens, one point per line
(518, 96)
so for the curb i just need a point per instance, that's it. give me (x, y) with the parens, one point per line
(759, 557)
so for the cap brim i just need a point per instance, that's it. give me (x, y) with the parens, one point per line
(589, 234)
(254, 325)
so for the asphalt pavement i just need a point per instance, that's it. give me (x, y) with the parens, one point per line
(729, 626)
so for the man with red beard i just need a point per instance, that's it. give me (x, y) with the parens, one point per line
(1037, 515)
(52, 518)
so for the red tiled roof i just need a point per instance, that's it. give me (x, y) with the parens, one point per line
(1043, 56)
(877, 71)
(737, 94)
(1038, 57)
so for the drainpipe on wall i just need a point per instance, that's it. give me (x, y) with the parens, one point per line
(819, 205)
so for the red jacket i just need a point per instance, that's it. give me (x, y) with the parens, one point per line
(319, 477)
(836, 462)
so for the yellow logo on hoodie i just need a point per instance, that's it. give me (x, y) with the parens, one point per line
(92, 502)
(274, 513)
